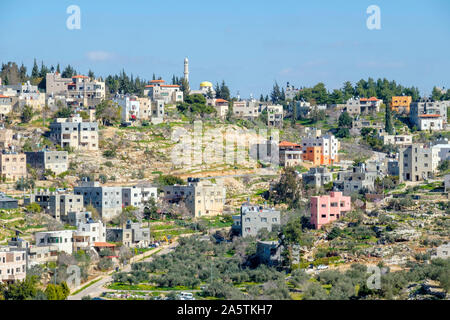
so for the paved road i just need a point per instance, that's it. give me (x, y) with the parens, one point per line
(96, 289)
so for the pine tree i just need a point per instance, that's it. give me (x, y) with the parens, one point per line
(35, 70)
(389, 128)
(58, 69)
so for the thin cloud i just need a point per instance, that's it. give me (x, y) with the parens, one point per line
(99, 56)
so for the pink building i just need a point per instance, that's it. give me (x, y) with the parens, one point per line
(325, 209)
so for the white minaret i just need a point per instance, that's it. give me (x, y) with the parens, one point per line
(186, 69)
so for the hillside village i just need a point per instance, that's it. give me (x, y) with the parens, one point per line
(287, 196)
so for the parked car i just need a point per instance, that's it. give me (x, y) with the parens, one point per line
(186, 296)
(322, 267)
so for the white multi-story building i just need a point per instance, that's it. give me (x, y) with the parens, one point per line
(62, 240)
(275, 115)
(329, 143)
(136, 196)
(130, 107)
(158, 90)
(88, 233)
(427, 114)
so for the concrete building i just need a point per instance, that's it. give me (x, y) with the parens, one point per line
(56, 161)
(158, 90)
(85, 91)
(269, 252)
(254, 218)
(320, 149)
(275, 115)
(317, 177)
(87, 233)
(417, 162)
(401, 104)
(74, 133)
(8, 202)
(291, 92)
(13, 165)
(396, 140)
(106, 200)
(57, 205)
(62, 240)
(151, 110)
(328, 208)
(221, 106)
(202, 197)
(13, 264)
(22, 94)
(132, 235)
(130, 107)
(359, 179)
(392, 168)
(442, 252)
(427, 114)
(75, 218)
(246, 109)
(290, 154)
(356, 106)
(136, 196)
(447, 183)
(6, 138)
(5, 106)
(442, 149)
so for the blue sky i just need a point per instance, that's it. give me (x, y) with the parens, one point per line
(248, 43)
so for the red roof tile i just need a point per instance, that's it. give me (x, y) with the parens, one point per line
(104, 244)
(157, 81)
(288, 144)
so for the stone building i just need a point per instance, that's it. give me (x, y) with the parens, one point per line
(56, 161)
(13, 264)
(417, 162)
(290, 154)
(359, 179)
(106, 200)
(202, 197)
(132, 235)
(13, 165)
(254, 218)
(427, 114)
(317, 177)
(57, 205)
(74, 133)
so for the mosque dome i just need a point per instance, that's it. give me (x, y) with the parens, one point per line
(206, 84)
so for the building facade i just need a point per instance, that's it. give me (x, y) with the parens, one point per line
(427, 114)
(13, 165)
(417, 162)
(320, 149)
(317, 177)
(74, 133)
(328, 208)
(290, 154)
(201, 197)
(106, 200)
(56, 161)
(13, 264)
(254, 218)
